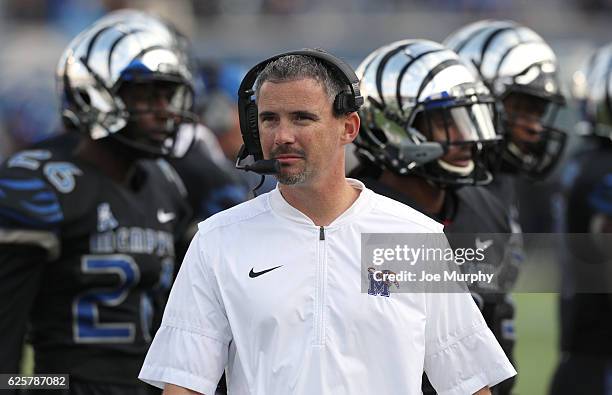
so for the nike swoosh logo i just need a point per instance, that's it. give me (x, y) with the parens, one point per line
(253, 274)
(164, 217)
(483, 245)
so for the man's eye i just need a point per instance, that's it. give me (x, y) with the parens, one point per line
(303, 117)
(529, 112)
(438, 123)
(138, 99)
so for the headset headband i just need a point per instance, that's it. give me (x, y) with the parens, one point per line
(245, 90)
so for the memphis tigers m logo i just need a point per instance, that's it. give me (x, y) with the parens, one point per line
(377, 287)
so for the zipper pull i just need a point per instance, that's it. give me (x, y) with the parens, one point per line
(321, 233)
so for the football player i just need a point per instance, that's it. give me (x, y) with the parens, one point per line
(426, 125)
(521, 71)
(87, 235)
(586, 209)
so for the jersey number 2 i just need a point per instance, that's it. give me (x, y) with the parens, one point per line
(87, 327)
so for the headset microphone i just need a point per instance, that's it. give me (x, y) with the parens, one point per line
(262, 166)
(265, 166)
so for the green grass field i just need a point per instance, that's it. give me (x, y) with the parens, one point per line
(27, 362)
(537, 342)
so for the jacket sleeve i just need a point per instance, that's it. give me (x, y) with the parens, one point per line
(461, 353)
(191, 347)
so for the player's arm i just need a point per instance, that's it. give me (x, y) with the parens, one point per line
(606, 226)
(20, 274)
(172, 389)
(23, 254)
(30, 218)
(600, 227)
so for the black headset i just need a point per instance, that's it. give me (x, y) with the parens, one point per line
(345, 102)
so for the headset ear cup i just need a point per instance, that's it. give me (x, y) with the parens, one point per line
(252, 116)
(344, 103)
(252, 139)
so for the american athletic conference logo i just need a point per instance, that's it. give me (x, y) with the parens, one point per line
(379, 287)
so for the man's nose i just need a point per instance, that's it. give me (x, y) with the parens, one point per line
(284, 134)
(454, 134)
(533, 125)
(160, 102)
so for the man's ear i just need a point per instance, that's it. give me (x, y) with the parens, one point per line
(351, 127)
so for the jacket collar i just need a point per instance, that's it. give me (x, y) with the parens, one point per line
(282, 208)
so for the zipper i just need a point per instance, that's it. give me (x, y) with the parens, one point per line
(320, 290)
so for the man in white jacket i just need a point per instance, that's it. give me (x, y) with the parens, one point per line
(271, 289)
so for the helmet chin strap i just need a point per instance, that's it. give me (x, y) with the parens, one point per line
(516, 151)
(139, 149)
(463, 171)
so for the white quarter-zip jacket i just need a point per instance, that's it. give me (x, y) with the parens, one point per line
(276, 300)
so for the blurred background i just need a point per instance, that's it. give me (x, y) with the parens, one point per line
(231, 35)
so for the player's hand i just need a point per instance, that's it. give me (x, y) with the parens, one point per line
(483, 391)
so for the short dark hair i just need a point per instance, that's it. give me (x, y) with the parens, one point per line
(297, 67)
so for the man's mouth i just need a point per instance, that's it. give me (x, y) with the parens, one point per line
(461, 161)
(288, 159)
(462, 158)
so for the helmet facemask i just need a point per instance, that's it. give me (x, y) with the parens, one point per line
(155, 110)
(532, 145)
(465, 130)
(592, 91)
(426, 114)
(128, 79)
(521, 71)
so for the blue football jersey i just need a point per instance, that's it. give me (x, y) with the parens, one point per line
(87, 261)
